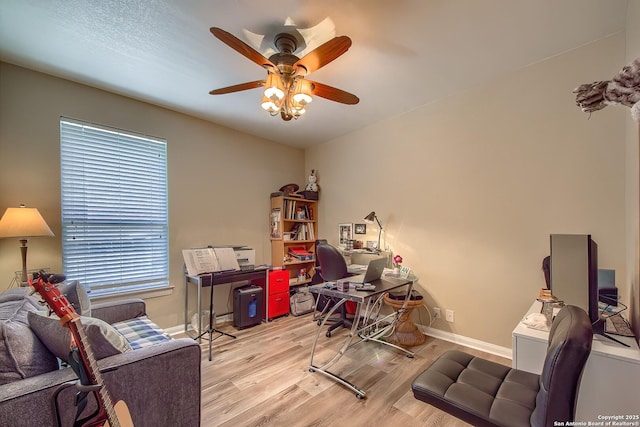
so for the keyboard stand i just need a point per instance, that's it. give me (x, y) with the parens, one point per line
(211, 280)
(210, 329)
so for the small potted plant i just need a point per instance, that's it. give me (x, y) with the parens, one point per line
(397, 263)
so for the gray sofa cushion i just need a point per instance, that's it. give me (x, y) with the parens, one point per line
(104, 340)
(22, 354)
(14, 294)
(18, 294)
(76, 294)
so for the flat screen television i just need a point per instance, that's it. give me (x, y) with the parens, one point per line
(574, 275)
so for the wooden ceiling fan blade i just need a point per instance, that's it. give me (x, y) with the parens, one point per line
(237, 88)
(323, 54)
(241, 47)
(334, 94)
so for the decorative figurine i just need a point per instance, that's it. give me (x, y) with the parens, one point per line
(312, 186)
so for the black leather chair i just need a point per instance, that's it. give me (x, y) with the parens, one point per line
(333, 267)
(484, 393)
(317, 278)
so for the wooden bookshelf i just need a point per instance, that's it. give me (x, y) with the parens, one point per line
(294, 224)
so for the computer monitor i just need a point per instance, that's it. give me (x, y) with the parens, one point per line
(574, 275)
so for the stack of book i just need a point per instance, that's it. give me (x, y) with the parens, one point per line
(300, 253)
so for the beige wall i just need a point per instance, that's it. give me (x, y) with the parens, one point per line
(469, 188)
(219, 179)
(632, 176)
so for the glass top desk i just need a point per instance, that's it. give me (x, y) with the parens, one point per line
(367, 324)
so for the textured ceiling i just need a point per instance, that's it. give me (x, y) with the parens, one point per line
(405, 53)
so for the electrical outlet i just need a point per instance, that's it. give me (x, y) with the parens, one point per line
(450, 316)
(436, 312)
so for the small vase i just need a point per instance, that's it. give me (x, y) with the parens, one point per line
(396, 270)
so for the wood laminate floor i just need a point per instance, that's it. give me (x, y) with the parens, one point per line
(262, 379)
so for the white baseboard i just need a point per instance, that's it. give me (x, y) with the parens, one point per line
(176, 330)
(466, 341)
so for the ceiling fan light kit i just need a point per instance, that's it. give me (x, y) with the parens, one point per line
(286, 90)
(285, 95)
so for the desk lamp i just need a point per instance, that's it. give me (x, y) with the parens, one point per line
(369, 219)
(22, 223)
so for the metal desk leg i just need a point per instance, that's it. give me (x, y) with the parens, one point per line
(378, 334)
(200, 310)
(360, 394)
(186, 305)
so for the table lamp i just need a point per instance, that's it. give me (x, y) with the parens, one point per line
(369, 219)
(23, 223)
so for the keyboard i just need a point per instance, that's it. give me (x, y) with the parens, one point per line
(618, 325)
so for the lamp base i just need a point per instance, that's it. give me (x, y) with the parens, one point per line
(23, 252)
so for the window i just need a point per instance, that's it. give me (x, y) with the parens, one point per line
(114, 208)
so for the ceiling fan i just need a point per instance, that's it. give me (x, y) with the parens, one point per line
(286, 90)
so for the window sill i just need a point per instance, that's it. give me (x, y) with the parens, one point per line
(141, 293)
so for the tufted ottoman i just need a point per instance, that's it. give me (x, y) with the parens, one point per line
(489, 389)
(485, 393)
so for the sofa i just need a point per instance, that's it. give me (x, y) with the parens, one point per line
(158, 377)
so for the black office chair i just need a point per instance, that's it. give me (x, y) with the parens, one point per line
(333, 267)
(317, 278)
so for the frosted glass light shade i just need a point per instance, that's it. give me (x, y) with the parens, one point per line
(269, 105)
(302, 92)
(273, 88)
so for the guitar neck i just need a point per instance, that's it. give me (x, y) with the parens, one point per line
(91, 367)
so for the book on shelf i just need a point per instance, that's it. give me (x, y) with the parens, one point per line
(302, 231)
(295, 209)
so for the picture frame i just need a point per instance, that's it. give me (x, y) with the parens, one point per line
(360, 229)
(345, 234)
(275, 224)
(405, 271)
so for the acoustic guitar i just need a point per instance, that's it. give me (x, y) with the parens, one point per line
(107, 414)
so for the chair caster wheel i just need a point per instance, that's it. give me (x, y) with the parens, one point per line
(410, 356)
(360, 396)
(319, 322)
(328, 334)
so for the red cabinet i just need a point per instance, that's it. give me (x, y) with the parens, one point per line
(275, 299)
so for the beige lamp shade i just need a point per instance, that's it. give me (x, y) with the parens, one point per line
(23, 222)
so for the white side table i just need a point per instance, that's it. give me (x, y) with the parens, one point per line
(610, 378)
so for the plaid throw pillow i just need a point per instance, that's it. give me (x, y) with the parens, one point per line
(141, 332)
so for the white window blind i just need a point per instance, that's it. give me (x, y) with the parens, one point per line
(114, 208)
